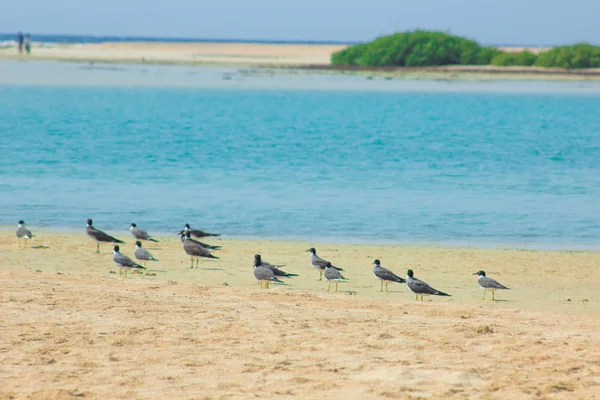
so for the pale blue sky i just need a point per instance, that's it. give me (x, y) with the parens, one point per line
(488, 21)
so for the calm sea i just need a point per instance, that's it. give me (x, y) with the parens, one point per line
(499, 168)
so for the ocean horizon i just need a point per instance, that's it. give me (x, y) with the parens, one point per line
(511, 164)
(81, 39)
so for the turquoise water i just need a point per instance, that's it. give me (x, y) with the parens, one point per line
(403, 167)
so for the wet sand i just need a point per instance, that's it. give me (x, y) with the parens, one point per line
(70, 327)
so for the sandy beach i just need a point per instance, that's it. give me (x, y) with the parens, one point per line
(71, 327)
(312, 57)
(249, 54)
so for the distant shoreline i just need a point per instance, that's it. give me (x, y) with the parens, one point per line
(313, 57)
(83, 39)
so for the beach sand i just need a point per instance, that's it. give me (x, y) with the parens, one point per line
(248, 54)
(70, 327)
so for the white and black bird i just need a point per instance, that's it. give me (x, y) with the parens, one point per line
(197, 232)
(195, 250)
(276, 271)
(185, 234)
(488, 284)
(333, 274)
(420, 288)
(123, 261)
(264, 275)
(318, 262)
(23, 233)
(142, 254)
(385, 275)
(98, 235)
(140, 234)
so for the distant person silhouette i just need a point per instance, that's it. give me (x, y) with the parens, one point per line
(27, 42)
(20, 40)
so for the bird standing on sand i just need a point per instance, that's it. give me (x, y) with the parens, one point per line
(23, 233)
(263, 274)
(122, 261)
(99, 236)
(489, 284)
(140, 234)
(385, 275)
(195, 250)
(142, 254)
(319, 263)
(185, 234)
(333, 274)
(420, 288)
(276, 271)
(197, 232)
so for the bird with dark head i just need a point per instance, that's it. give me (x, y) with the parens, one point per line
(420, 288)
(333, 274)
(258, 262)
(318, 262)
(140, 234)
(197, 232)
(385, 275)
(142, 254)
(488, 284)
(98, 235)
(23, 234)
(263, 275)
(123, 261)
(195, 250)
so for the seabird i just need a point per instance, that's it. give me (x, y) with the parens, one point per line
(195, 250)
(142, 254)
(489, 284)
(197, 232)
(384, 274)
(99, 236)
(140, 234)
(333, 274)
(319, 263)
(420, 288)
(122, 261)
(264, 275)
(276, 271)
(205, 245)
(23, 233)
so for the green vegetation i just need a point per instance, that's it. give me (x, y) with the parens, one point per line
(415, 49)
(524, 59)
(423, 48)
(581, 55)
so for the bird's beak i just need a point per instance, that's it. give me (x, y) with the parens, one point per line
(475, 273)
(307, 251)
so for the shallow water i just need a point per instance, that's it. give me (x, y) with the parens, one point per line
(464, 167)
